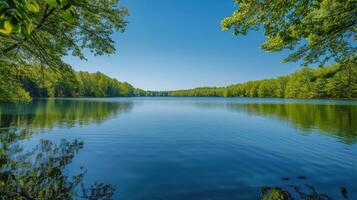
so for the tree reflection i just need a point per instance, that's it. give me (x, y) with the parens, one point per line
(39, 173)
(335, 120)
(48, 113)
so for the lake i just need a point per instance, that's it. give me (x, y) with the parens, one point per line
(184, 148)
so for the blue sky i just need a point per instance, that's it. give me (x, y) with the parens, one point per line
(177, 44)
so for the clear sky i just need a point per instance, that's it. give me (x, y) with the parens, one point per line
(178, 44)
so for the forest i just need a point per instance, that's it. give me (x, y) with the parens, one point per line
(27, 82)
(335, 81)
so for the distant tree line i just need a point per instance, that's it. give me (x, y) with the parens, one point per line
(24, 82)
(336, 81)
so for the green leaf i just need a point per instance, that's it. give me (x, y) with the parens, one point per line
(7, 28)
(33, 6)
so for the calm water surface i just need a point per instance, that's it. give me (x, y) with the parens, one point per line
(199, 148)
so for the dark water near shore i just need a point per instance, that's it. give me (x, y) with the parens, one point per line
(200, 148)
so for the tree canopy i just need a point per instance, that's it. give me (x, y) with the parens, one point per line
(317, 31)
(43, 31)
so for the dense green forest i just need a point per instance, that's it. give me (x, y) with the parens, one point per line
(36, 81)
(336, 81)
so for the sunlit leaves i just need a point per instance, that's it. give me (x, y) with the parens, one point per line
(100, 85)
(23, 14)
(70, 14)
(33, 6)
(273, 44)
(6, 27)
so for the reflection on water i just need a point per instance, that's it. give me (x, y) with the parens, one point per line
(39, 173)
(338, 120)
(178, 149)
(59, 112)
(335, 120)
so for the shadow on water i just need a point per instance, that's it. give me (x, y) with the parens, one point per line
(337, 120)
(39, 173)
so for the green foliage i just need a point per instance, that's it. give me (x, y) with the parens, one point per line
(36, 33)
(10, 87)
(99, 85)
(22, 82)
(199, 92)
(336, 81)
(318, 31)
(45, 82)
(43, 31)
(301, 84)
